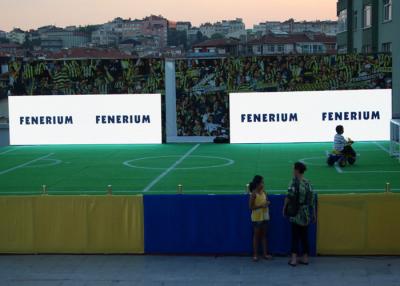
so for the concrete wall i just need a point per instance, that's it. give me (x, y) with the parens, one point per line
(386, 29)
(3, 110)
(396, 60)
(4, 132)
(358, 32)
(4, 135)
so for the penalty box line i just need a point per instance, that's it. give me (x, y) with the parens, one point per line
(25, 164)
(380, 146)
(171, 168)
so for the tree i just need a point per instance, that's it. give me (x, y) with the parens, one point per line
(217, 36)
(89, 29)
(199, 38)
(30, 44)
(177, 38)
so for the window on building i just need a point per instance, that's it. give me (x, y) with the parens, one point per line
(281, 49)
(387, 47)
(342, 21)
(367, 16)
(257, 49)
(355, 20)
(305, 49)
(387, 10)
(271, 48)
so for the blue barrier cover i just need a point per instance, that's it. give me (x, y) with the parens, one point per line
(211, 224)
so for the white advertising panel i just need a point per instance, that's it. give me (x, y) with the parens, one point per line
(286, 117)
(85, 119)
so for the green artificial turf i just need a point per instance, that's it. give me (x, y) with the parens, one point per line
(205, 168)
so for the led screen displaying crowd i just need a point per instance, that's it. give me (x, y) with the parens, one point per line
(93, 76)
(203, 84)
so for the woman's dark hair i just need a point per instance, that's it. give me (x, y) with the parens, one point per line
(301, 167)
(339, 129)
(257, 180)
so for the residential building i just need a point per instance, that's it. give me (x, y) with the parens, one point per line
(370, 26)
(192, 35)
(105, 36)
(56, 38)
(17, 36)
(148, 46)
(217, 47)
(366, 25)
(119, 30)
(296, 43)
(131, 29)
(263, 28)
(228, 28)
(128, 46)
(87, 53)
(11, 48)
(44, 29)
(157, 27)
(291, 26)
(183, 26)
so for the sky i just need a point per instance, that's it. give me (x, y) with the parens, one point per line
(29, 14)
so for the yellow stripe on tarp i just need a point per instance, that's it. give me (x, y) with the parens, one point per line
(364, 224)
(72, 224)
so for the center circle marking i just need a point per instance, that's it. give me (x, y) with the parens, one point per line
(131, 163)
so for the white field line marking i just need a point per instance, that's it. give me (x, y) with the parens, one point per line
(337, 167)
(7, 151)
(382, 147)
(25, 164)
(370, 172)
(52, 162)
(172, 167)
(130, 165)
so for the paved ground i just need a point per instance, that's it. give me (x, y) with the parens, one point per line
(193, 271)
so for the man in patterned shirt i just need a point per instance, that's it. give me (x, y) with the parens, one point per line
(300, 197)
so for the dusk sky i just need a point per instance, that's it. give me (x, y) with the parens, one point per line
(28, 14)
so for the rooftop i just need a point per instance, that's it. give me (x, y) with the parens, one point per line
(294, 38)
(86, 53)
(217, 43)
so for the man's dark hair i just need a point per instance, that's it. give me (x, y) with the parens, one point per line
(339, 129)
(301, 167)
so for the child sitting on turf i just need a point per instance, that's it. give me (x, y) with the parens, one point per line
(259, 215)
(342, 150)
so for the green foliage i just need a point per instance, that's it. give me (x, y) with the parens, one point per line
(217, 36)
(177, 38)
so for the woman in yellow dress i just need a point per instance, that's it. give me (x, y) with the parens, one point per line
(259, 216)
